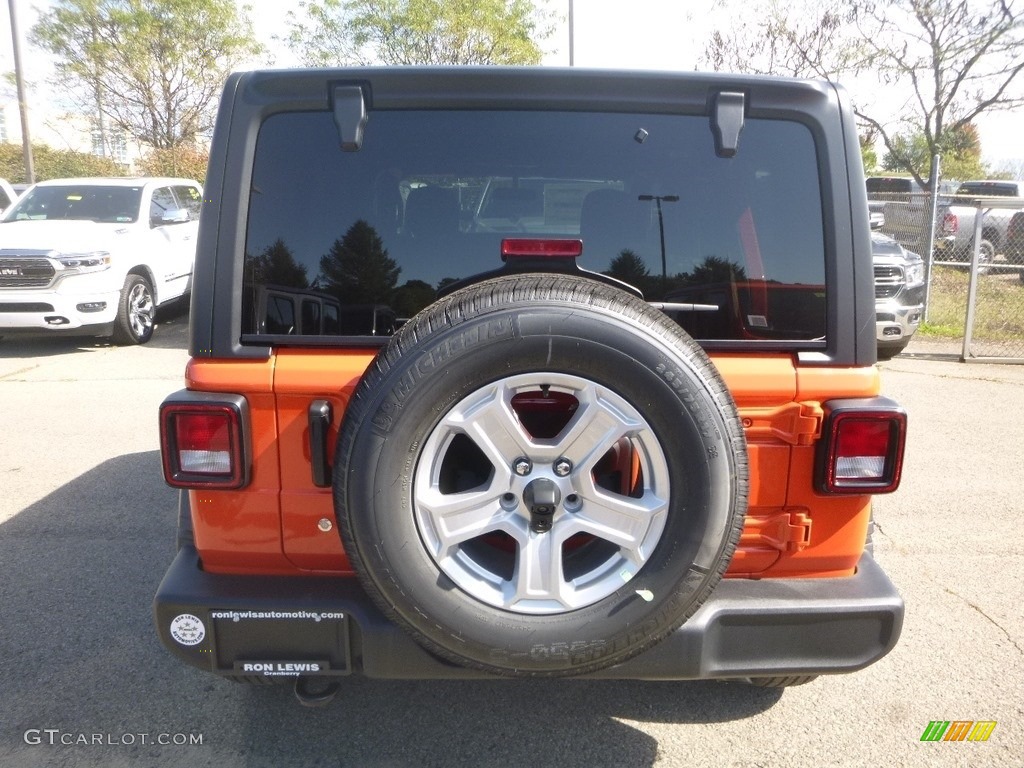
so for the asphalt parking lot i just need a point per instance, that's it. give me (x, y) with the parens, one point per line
(87, 530)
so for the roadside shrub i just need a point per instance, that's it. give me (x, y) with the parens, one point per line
(53, 163)
(184, 161)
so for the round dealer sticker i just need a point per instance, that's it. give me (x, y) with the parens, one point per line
(187, 629)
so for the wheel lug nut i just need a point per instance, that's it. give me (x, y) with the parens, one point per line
(562, 467)
(522, 466)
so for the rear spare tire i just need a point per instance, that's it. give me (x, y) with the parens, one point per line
(540, 476)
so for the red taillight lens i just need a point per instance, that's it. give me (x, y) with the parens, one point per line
(204, 442)
(950, 224)
(202, 445)
(862, 447)
(539, 248)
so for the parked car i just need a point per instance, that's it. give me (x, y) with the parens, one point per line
(902, 209)
(97, 256)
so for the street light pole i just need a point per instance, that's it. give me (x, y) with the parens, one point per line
(26, 141)
(572, 37)
(661, 231)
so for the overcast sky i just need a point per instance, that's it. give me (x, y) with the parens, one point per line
(650, 34)
(633, 34)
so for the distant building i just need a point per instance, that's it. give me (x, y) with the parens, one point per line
(68, 131)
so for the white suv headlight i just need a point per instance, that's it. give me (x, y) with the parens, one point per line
(81, 263)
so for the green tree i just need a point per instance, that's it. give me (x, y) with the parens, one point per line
(868, 155)
(277, 266)
(630, 268)
(714, 269)
(54, 164)
(357, 269)
(186, 161)
(951, 60)
(337, 32)
(412, 296)
(1008, 169)
(153, 68)
(960, 153)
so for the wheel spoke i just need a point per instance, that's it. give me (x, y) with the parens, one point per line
(622, 520)
(492, 424)
(593, 431)
(140, 310)
(538, 574)
(458, 517)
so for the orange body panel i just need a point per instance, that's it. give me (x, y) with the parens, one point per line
(283, 523)
(235, 530)
(300, 378)
(791, 529)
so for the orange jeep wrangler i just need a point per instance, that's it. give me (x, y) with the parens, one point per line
(530, 373)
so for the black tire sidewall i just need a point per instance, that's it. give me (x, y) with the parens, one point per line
(428, 380)
(123, 332)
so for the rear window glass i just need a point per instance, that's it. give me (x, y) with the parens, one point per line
(430, 195)
(987, 188)
(890, 185)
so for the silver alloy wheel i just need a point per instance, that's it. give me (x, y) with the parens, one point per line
(140, 310)
(599, 536)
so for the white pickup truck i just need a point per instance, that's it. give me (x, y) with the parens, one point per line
(97, 256)
(7, 195)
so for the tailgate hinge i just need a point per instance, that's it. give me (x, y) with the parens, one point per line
(787, 531)
(792, 423)
(727, 122)
(350, 114)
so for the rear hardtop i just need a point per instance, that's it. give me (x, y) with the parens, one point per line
(722, 116)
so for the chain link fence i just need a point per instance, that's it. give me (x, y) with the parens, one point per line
(973, 245)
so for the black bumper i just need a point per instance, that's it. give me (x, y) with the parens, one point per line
(266, 626)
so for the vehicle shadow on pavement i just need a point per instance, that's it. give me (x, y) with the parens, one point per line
(171, 333)
(78, 653)
(15, 347)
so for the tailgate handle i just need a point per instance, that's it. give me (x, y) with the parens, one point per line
(319, 427)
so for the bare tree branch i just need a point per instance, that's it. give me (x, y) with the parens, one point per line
(955, 59)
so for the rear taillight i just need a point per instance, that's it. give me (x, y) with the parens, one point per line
(203, 442)
(861, 448)
(540, 248)
(950, 224)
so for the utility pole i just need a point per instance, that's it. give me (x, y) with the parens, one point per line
(98, 89)
(572, 37)
(661, 230)
(26, 140)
